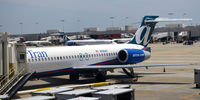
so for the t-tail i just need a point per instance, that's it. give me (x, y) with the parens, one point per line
(144, 32)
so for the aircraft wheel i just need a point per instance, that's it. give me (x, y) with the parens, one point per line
(101, 76)
(197, 85)
(74, 77)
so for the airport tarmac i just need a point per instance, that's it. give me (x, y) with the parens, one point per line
(177, 83)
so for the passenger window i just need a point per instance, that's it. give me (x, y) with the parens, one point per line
(48, 58)
(57, 58)
(60, 58)
(45, 59)
(51, 58)
(32, 60)
(63, 57)
(66, 57)
(29, 60)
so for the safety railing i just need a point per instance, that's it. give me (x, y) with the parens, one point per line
(9, 80)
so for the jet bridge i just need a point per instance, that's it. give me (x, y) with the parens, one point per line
(13, 69)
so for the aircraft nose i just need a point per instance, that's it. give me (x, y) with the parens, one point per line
(147, 55)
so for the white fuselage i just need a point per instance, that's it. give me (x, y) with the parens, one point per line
(54, 58)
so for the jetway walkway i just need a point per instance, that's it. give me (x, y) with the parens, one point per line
(13, 69)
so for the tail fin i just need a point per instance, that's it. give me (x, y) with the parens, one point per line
(65, 38)
(143, 34)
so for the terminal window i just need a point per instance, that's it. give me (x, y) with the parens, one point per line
(22, 56)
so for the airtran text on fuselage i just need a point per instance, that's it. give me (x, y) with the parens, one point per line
(37, 54)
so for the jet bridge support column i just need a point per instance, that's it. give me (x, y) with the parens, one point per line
(4, 60)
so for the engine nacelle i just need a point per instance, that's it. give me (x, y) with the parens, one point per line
(132, 56)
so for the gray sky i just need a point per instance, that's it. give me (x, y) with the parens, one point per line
(40, 15)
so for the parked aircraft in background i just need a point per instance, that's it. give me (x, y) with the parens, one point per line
(37, 43)
(95, 59)
(89, 42)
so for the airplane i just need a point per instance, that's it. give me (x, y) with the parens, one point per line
(96, 42)
(38, 43)
(89, 42)
(96, 59)
(122, 40)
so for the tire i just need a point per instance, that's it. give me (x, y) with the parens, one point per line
(101, 77)
(197, 85)
(74, 77)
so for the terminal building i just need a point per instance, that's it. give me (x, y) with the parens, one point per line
(193, 33)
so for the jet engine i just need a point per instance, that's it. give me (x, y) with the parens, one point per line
(132, 56)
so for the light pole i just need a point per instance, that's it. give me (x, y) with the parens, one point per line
(36, 25)
(0, 27)
(78, 22)
(126, 18)
(170, 14)
(184, 14)
(112, 20)
(21, 27)
(63, 24)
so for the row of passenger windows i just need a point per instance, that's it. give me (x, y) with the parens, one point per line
(71, 57)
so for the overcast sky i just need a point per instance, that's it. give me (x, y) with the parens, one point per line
(39, 15)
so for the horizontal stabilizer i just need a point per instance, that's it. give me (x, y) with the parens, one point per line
(169, 19)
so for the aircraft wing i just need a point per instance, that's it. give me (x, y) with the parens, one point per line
(125, 66)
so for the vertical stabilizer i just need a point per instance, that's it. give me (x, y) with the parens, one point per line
(144, 32)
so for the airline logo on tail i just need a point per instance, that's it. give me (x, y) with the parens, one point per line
(143, 34)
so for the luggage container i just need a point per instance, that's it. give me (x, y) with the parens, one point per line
(109, 87)
(116, 94)
(51, 92)
(84, 98)
(197, 77)
(75, 93)
(38, 98)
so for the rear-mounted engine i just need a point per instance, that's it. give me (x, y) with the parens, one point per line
(131, 56)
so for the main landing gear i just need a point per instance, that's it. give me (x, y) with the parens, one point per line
(74, 77)
(130, 72)
(101, 76)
